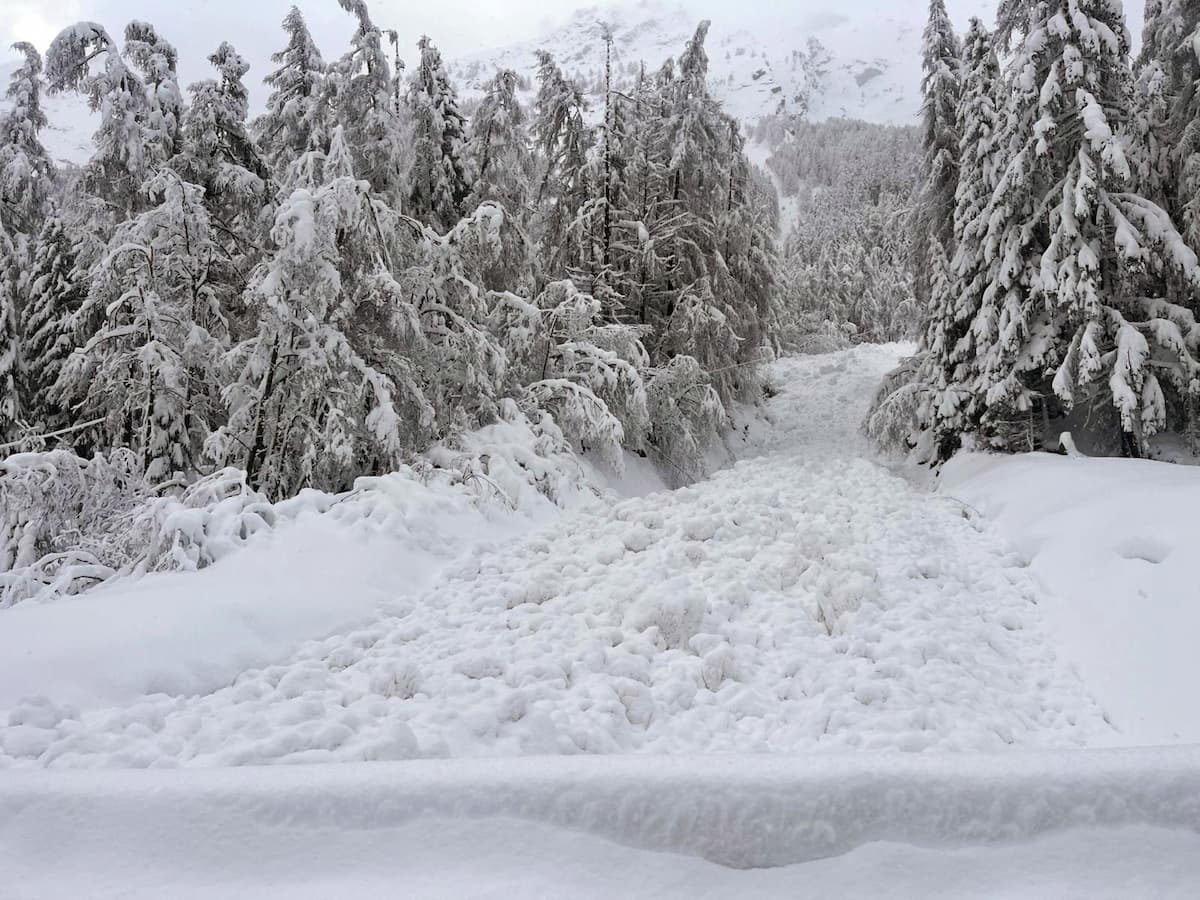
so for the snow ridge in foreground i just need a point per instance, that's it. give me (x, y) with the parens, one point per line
(1115, 824)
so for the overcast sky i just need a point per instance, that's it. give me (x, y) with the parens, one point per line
(459, 27)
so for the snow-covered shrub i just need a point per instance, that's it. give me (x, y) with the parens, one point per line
(71, 523)
(519, 461)
(810, 333)
(686, 414)
(586, 374)
(893, 421)
(53, 505)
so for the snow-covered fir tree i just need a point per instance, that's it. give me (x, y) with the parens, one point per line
(562, 141)
(360, 89)
(1169, 91)
(138, 121)
(26, 180)
(501, 160)
(1076, 313)
(296, 119)
(952, 348)
(26, 173)
(360, 273)
(940, 89)
(439, 178)
(50, 322)
(219, 153)
(147, 371)
(157, 61)
(11, 405)
(305, 408)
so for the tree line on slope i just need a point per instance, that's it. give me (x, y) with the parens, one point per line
(361, 271)
(846, 264)
(1059, 227)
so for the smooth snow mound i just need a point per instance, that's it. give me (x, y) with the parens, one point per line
(191, 633)
(1114, 541)
(1090, 824)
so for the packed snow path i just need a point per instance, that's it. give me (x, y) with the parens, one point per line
(803, 599)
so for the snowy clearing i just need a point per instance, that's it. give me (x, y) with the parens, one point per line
(1093, 824)
(1114, 541)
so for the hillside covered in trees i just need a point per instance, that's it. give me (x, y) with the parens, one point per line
(1057, 230)
(324, 291)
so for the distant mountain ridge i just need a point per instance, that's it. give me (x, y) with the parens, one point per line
(820, 65)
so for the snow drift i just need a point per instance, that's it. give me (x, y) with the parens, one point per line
(1114, 542)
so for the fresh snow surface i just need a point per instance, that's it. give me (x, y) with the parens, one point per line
(1050, 825)
(804, 599)
(1115, 543)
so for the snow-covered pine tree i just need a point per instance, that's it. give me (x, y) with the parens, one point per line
(940, 88)
(719, 282)
(605, 271)
(11, 406)
(49, 323)
(148, 370)
(26, 176)
(951, 348)
(746, 265)
(501, 161)
(218, 152)
(157, 61)
(137, 128)
(1074, 307)
(1169, 92)
(439, 185)
(26, 173)
(359, 88)
(562, 141)
(1168, 119)
(220, 155)
(296, 119)
(308, 405)
(694, 128)
(644, 176)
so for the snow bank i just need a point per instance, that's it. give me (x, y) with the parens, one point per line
(1115, 823)
(191, 633)
(1114, 541)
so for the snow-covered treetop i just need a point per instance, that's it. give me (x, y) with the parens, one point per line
(25, 168)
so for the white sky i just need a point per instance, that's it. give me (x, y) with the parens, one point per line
(459, 27)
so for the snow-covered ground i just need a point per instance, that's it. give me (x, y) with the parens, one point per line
(1050, 825)
(1115, 542)
(805, 600)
